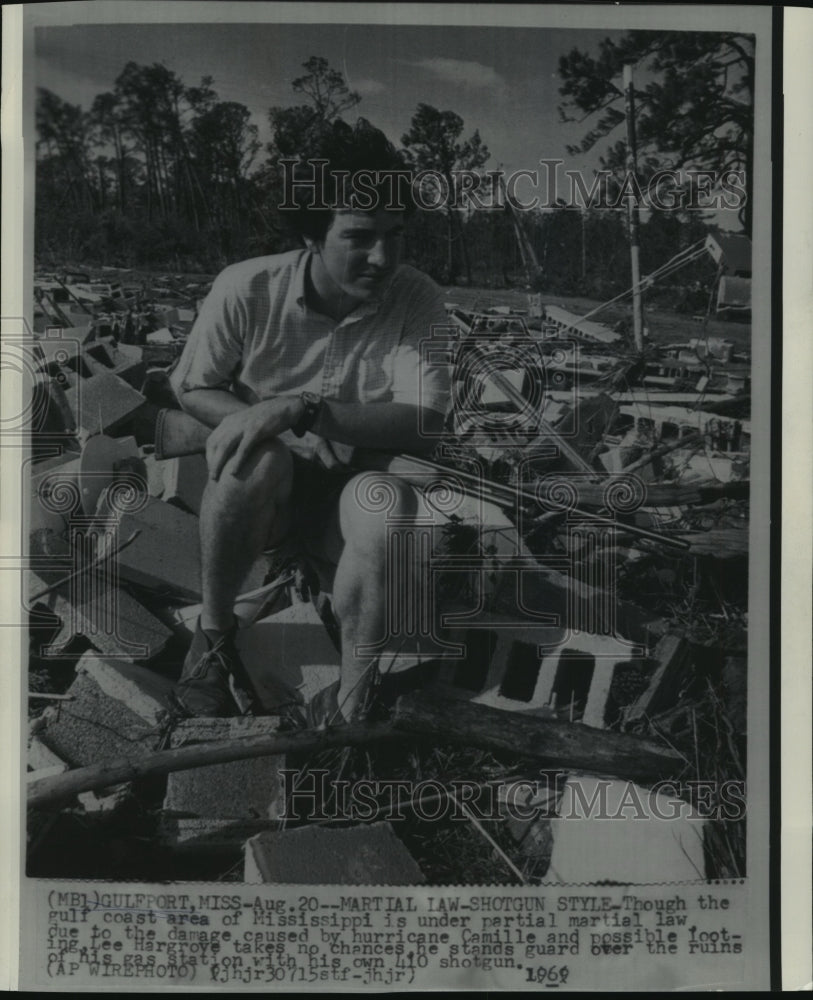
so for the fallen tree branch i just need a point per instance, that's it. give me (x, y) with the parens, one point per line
(554, 744)
(61, 788)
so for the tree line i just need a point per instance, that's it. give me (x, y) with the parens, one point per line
(158, 173)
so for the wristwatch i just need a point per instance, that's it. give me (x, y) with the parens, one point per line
(313, 404)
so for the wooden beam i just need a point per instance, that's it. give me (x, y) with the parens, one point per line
(554, 744)
(688, 441)
(61, 788)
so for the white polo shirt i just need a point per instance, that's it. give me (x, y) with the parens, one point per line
(256, 337)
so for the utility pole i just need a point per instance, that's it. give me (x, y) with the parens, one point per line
(526, 250)
(632, 211)
(584, 244)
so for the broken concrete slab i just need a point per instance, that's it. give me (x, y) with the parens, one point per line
(289, 656)
(215, 804)
(42, 761)
(116, 625)
(589, 846)
(155, 476)
(102, 459)
(125, 361)
(315, 855)
(515, 669)
(99, 351)
(161, 337)
(185, 479)
(167, 316)
(104, 801)
(671, 656)
(94, 727)
(103, 404)
(143, 691)
(61, 347)
(166, 554)
(92, 366)
(54, 494)
(54, 417)
(133, 372)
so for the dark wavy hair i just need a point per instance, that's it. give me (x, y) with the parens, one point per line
(349, 152)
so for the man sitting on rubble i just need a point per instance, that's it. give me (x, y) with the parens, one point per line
(293, 360)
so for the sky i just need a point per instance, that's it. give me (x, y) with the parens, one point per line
(501, 81)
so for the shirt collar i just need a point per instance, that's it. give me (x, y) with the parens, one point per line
(369, 307)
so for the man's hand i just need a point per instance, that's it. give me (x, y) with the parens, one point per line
(238, 433)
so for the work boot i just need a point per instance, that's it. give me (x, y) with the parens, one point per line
(323, 709)
(213, 681)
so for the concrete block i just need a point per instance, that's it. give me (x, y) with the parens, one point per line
(599, 693)
(313, 855)
(167, 316)
(113, 621)
(218, 804)
(185, 480)
(672, 661)
(42, 761)
(161, 337)
(105, 801)
(103, 403)
(90, 366)
(289, 656)
(155, 476)
(194, 834)
(166, 554)
(54, 415)
(62, 351)
(99, 352)
(50, 482)
(124, 360)
(94, 727)
(641, 846)
(513, 669)
(103, 459)
(143, 691)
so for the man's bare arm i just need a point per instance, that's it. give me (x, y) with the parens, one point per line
(210, 406)
(238, 427)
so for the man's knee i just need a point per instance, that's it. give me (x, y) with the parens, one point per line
(265, 476)
(368, 503)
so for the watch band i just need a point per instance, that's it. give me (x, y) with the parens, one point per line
(313, 404)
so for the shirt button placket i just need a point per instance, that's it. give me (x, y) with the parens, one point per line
(329, 365)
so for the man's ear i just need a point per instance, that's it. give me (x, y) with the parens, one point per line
(312, 244)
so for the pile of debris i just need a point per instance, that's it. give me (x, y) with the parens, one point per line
(533, 623)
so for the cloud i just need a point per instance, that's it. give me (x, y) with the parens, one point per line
(464, 72)
(367, 87)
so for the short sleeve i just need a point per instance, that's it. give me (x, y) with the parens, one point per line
(422, 360)
(213, 352)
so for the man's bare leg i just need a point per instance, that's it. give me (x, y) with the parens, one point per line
(238, 516)
(361, 589)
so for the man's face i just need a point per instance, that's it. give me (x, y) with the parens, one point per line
(359, 254)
